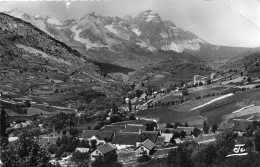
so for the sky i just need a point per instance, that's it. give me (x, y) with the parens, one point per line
(220, 22)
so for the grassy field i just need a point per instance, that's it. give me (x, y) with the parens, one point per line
(165, 115)
(214, 114)
(192, 104)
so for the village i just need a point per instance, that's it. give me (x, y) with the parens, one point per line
(122, 131)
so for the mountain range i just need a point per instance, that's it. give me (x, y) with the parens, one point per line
(127, 44)
(127, 41)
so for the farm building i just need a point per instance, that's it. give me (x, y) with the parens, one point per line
(102, 150)
(133, 139)
(147, 146)
(99, 136)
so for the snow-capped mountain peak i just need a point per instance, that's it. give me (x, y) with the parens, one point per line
(53, 20)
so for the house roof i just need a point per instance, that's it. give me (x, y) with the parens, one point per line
(82, 149)
(106, 148)
(160, 140)
(241, 124)
(124, 138)
(133, 128)
(87, 134)
(148, 144)
(178, 141)
(151, 135)
(114, 128)
(167, 137)
(130, 138)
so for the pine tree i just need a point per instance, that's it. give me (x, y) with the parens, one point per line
(205, 127)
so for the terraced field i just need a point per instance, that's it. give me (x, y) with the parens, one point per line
(214, 113)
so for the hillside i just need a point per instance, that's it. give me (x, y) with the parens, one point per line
(248, 64)
(36, 65)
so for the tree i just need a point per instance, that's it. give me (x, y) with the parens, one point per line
(249, 79)
(108, 160)
(151, 126)
(205, 127)
(27, 103)
(183, 134)
(182, 155)
(52, 148)
(172, 141)
(26, 152)
(176, 124)
(169, 125)
(196, 132)
(214, 128)
(80, 159)
(186, 124)
(114, 118)
(144, 158)
(3, 134)
(93, 144)
(257, 140)
(176, 135)
(225, 143)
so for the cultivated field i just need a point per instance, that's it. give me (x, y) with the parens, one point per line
(215, 113)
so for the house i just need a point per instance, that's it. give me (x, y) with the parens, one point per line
(167, 137)
(151, 135)
(160, 141)
(102, 150)
(147, 146)
(99, 136)
(133, 139)
(178, 141)
(200, 79)
(126, 139)
(133, 128)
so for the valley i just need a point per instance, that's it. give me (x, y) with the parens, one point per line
(99, 86)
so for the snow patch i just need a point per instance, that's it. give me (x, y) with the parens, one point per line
(54, 21)
(193, 44)
(150, 18)
(37, 16)
(87, 42)
(111, 29)
(136, 31)
(173, 46)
